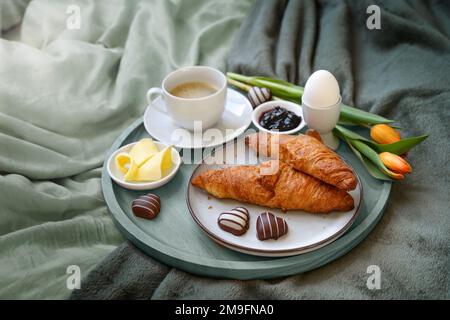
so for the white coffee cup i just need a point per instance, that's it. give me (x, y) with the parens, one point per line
(186, 112)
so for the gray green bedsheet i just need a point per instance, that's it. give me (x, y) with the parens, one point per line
(65, 95)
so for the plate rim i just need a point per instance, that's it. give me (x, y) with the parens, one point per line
(235, 134)
(277, 253)
(260, 269)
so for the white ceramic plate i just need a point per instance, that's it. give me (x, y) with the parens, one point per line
(235, 120)
(307, 231)
(118, 176)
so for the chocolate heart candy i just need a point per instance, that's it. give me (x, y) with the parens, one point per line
(147, 206)
(258, 95)
(235, 221)
(268, 226)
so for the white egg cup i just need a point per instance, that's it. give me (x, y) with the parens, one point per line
(323, 120)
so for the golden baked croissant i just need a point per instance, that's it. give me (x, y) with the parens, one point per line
(306, 154)
(286, 188)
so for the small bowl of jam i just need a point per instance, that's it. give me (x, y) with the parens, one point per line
(280, 117)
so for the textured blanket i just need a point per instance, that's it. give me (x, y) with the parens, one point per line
(61, 105)
(75, 77)
(400, 71)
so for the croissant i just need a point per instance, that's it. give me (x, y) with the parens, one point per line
(306, 154)
(285, 188)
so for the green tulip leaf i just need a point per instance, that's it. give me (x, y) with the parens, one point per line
(277, 81)
(343, 122)
(399, 147)
(358, 115)
(350, 134)
(371, 168)
(346, 122)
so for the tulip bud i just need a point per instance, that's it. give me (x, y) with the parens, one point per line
(396, 176)
(395, 163)
(384, 134)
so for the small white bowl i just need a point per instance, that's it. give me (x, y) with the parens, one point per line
(266, 106)
(118, 176)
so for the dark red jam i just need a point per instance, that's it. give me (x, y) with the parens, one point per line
(279, 119)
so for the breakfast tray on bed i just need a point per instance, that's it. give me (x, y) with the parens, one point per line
(176, 240)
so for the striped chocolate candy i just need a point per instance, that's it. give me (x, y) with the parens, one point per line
(268, 226)
(258, 95)
(235, 221)
(147, 206)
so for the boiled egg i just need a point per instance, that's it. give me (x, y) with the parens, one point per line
(321, 90)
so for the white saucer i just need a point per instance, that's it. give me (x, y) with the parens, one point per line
(236, 118)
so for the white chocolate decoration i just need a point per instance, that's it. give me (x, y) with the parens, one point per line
(235, 221)
(257, 96)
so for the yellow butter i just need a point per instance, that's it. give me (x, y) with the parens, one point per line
(123, 161)
(156, 167)
(144, 162)
(132, 172)
(143, 150)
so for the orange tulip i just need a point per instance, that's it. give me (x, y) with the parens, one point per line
(396, 176)
(395, 163)
(384, 134)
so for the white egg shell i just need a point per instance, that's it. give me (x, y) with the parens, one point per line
(321, 90)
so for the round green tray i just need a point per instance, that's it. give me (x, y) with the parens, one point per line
(175, 239)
